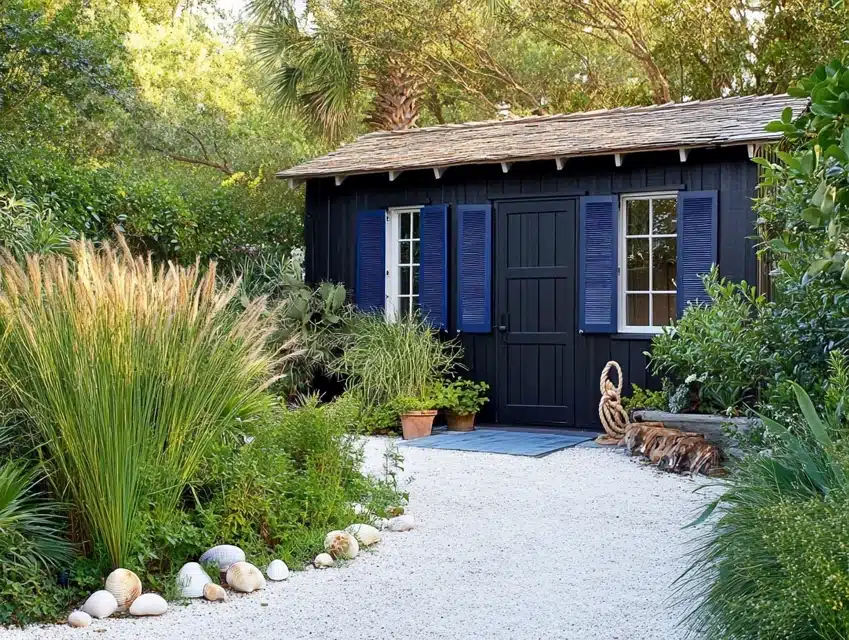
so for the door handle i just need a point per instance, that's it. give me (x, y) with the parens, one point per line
(504, 323)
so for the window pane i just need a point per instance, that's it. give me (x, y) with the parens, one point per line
(664, 214)
(404, 306)
(637, 264)
(638, 217)
(404, 257)
(416, 280)
(405, 281)
(664, 264)
(405, 224)
(414, 303)
(416, 228)
(416, 252)
(663, 309)
(637, 310)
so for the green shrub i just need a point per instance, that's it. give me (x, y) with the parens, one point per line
(389, 360)
(463, 397)
(130, 374)
(645, 399)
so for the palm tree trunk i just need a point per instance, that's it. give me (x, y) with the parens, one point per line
(396, 103)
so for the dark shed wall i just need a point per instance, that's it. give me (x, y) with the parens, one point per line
(331, 222)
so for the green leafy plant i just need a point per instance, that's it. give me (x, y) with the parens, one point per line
(389, 360)
(463, 397)
(645, 399)
(130, 374)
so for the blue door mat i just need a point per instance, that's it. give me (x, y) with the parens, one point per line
(515, 443)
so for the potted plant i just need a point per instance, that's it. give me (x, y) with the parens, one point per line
(417, 415)
(462, 399)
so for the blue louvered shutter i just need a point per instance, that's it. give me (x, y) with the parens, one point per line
(697, 230)
(474, 270)
(433, 269)
(597, 264)
(370, 286)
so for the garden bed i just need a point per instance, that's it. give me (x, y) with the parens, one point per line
(713, 427)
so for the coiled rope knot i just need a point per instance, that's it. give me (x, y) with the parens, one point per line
(613, 417)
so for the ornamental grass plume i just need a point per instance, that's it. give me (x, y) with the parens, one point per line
(130, 372)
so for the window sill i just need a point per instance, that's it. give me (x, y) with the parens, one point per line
(633, 336)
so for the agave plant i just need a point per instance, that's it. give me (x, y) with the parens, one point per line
(130, 373)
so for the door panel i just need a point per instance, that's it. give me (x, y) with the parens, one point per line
(535, 272)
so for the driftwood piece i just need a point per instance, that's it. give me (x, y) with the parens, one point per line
(672, 449)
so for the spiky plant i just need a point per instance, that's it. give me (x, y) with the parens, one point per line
(130, 372)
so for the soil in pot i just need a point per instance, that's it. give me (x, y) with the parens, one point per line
(460, 422)
(417, 424)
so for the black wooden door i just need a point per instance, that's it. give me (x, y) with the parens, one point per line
(535, 275)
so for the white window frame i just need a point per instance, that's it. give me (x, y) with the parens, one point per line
(393, 257)
(622, 267)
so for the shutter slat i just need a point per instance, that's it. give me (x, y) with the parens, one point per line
(370, 286)
(433, 270)
(474, 270)
(597, 264)
(697, 244)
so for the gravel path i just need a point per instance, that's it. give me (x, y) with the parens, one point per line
(582, 544)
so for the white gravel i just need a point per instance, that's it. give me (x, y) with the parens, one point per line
(582, 544)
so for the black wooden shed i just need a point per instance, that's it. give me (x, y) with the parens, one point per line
(549, 244)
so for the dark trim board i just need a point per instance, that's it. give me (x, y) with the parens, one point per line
(330, 227)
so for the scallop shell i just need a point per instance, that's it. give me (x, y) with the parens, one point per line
(381, 523)
(341, 544)
(401, 523)
(148, 604)
(244, 577)
(100, 604)
(79, 619)
(192, 579)
(214, 592)
(224, 555)
(277, 570)
(323, 560)
(365, 534)
(125, 586)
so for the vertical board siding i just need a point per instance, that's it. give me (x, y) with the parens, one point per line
(330, 231)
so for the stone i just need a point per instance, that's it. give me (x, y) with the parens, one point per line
(401, 523)
(79, 619)
(148, 604)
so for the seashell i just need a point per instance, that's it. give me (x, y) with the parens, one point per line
(381, 523)
(125, 586)
(323, 560)
(358, 508)
(341, 544)
(394, 512)
(192, 579)
(244, 577)
(365, 534)
(214, 592)
(79, 619)
(401, 523)
(100, 604)
(224, 555)
(148, 604)
(277, 570)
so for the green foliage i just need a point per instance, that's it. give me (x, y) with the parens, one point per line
(130, 375)
(390, 360)
(463, 397)
(645, 399)
(774, 563)
(718, 347)
(26, 227)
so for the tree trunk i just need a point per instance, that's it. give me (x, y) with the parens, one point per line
(396, 104)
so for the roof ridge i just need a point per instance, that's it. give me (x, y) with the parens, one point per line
(574, 115)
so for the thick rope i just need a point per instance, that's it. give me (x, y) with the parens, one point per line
(613, 417)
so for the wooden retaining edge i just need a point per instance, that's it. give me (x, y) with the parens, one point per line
(711, 426)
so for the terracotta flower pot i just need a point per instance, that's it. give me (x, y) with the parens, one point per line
(460, 421)
(417, 424)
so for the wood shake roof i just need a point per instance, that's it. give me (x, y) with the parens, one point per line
(720, 122)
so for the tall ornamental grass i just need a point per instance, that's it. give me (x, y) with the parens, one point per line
(130, 372)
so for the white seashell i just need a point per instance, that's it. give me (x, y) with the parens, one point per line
(401, 523)
(79, 619)
(323, 560)
(341, 544)
(100, 604)
(224, 555)
(244, 577)
(214, 592)
(365, 534)
(381, 523)
(192, 579)
(277, 570)
(148, 604)
(358, 508)
(125, 586)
